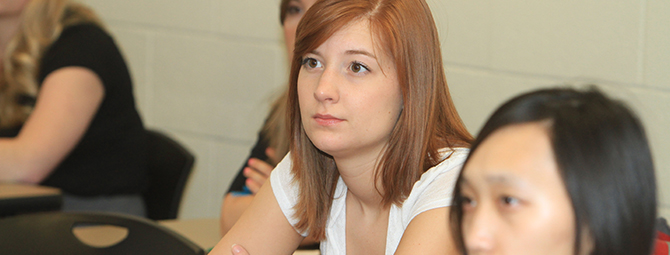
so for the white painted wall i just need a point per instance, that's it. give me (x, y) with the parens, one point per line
(206, 70)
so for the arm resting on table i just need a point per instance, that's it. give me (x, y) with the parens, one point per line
(66, 103)
(262, 228)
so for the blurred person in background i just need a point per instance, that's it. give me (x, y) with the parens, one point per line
(273, 139)
(67, 111)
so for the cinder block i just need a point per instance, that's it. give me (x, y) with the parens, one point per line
(478, 93)
(228, 158)
(256, 19)
(657, 58)
(594, 39)
(133, 45)
(211, 174)
(465, 31)
(664, 211)
(211, 86)
(193, 14)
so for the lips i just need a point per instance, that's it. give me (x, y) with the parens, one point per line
(326, 119)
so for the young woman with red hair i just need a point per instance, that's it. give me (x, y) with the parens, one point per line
(376, 142)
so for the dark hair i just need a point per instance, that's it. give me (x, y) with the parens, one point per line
(283, 10)
(604, 159)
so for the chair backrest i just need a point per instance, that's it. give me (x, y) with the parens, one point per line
(52, 233)
(169, 165)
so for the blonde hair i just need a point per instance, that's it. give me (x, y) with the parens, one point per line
(42, 22)
(275, 129)
(428, 122)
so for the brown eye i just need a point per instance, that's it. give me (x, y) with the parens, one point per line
(358, 67)
(509, 201)
(311, 63)
(467, 203)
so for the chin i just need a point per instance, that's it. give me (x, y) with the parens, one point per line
(329, 147)
(330, 150)
(326, 142)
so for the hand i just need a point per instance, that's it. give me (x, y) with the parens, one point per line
(272, 156)
(257, 171)
(238, 250)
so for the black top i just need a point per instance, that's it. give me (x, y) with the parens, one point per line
(110, 157)
(257, 152)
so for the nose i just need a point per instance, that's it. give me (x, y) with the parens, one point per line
(327, 89)
(479, 231)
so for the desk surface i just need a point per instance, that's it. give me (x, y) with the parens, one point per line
(15, 190)
(18, 198)
(205, 232)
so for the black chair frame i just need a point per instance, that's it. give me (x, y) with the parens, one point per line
(169, 166)
(51, 233)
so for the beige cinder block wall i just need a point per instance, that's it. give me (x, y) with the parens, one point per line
(205, 70)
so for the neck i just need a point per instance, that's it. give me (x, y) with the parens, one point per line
(8, 28)
(359, 175)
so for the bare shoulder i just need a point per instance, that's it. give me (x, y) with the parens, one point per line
(428, 233)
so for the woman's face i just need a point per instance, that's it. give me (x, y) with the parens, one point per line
(515, 201)
(296, 9)
(349, 94)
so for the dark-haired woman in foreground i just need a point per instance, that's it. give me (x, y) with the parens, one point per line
(557, 171)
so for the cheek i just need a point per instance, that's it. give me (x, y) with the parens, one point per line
(305, 94)
(289, 48)
(394, 106)
(289, 36)
(555, 216)
(384, 112)
(466, 224)
(547, 227)
(563, 223)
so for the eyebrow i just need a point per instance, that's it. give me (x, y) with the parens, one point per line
(315, 53)
(349, 52)
(360, 52)
(501, 179)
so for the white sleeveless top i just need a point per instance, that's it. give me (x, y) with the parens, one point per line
(433, 190)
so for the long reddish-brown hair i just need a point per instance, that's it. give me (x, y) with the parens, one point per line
(405, 30)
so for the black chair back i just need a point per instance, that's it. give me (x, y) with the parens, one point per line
(169, 165)
(52, 233)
